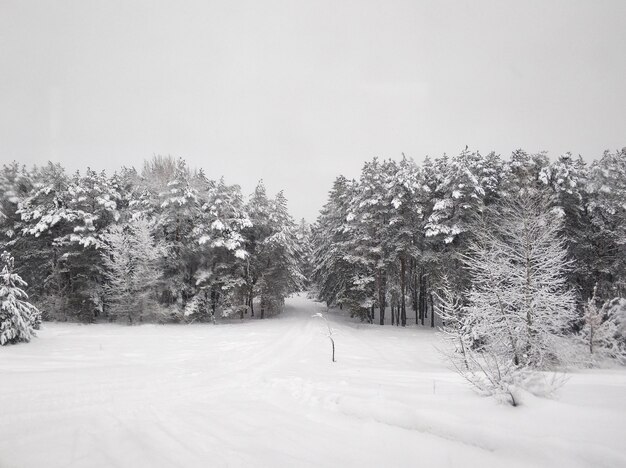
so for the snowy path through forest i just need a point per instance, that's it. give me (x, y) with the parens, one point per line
(264, 393)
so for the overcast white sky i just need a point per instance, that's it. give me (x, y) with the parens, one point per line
(297, 92)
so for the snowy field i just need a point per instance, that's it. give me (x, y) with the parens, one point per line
(265, 393)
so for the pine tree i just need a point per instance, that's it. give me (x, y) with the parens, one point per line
(370, 213)
(44, 217)
(281, 259)
(18, 317)
(178, 211)
(15, 185)
(258, 209)
(274, 255)
(304, 239)
(405, 192)
(220, 278)
(341, 278)
(459, 195)
(567, 179)
(607, 213)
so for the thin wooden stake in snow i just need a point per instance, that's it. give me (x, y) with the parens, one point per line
(330, 332)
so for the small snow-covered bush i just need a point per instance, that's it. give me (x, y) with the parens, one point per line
(494, 375)
(603, 330)
(18, 317)
(618, 311)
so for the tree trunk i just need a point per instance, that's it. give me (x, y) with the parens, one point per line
(381, 297)
(422, 296)
(403, 290)
(432, 311)
(415, 294)
(214, 299)
(397, 315)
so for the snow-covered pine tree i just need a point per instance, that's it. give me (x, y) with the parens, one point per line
(220, 278)
(274, 256)
(405, 192)
(567, 178)
(177, 215)
(524, 171)
(328, 237)
(431, 178)
(459, 195)
(93, 203)
(43, 217)
(341, 279)
(607, 212)
(281, 256)
(258, 209)
(370, 212)
(15, 185)
(18, 317)
(303, 236)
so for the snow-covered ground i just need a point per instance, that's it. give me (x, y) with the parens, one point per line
(264, 393)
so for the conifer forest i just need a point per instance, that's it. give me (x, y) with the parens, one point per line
(331, 233)
(476, 245)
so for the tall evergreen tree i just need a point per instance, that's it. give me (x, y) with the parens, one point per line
(18, 317)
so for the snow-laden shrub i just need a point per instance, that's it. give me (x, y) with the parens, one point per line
(18, 317)
(493, 375)
(603, 332)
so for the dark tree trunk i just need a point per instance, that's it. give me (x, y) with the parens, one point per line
(215, 295)
(432, 311)
(422, 296)
(415, 294)
(403, 290)
(381, 297)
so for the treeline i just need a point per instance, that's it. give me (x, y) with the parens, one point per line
(400, 234)
(162, 244)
